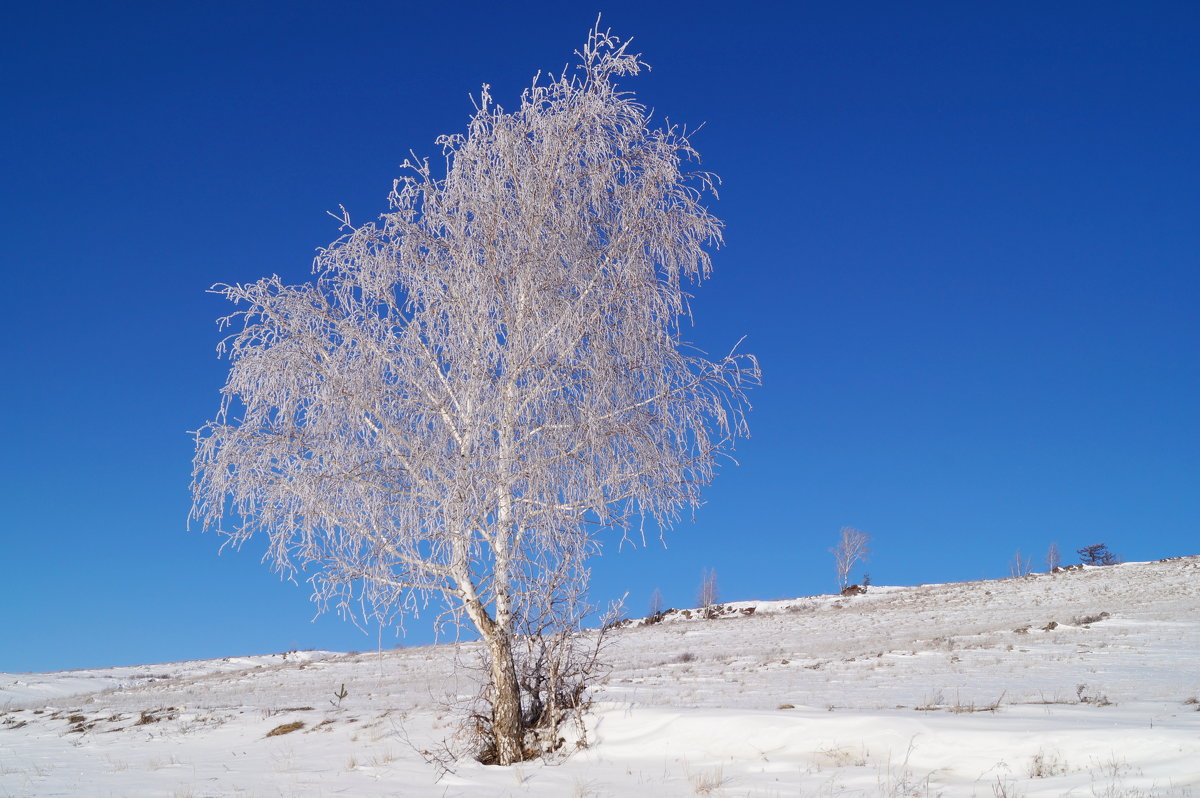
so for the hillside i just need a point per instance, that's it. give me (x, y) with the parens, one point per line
(1082, 683)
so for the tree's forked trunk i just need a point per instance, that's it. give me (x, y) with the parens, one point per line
(507, 726)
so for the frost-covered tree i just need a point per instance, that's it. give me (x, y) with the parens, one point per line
(1053, 557)
(707, 594)
(1020, 565)
(853, 546)
(480, 383)
(656, 602)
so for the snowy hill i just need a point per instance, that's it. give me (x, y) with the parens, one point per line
(1082, 683)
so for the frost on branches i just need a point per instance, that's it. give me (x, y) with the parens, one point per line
(484, 380)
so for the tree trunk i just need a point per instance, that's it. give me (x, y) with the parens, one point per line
(507, 728)
(508, 731)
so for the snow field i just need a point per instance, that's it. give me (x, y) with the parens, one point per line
(1016, 687)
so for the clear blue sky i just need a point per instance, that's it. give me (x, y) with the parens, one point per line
(963, 239)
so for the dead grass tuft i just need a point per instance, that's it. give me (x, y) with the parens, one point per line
(286, 728)
(708, 782)
(325, 724)
(1046, 764)
(155, 715)
(970, 706)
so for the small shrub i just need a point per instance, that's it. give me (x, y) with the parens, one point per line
(557, 663)
(1096, 699)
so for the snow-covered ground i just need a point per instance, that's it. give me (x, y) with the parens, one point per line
(1017, 687)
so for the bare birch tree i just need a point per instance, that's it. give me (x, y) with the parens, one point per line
(479, 383)
(1020, 565)
(1053, 557)
(707, 594)
(656, 603)
(852, 547)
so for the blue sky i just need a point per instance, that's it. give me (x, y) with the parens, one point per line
(962, 239)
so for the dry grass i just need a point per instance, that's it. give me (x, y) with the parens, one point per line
(708, 782)
(1046, 764)
(286, 728)
(325, 724)
(970, 706)
(155, 715)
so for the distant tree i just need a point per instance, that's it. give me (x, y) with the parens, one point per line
(1020, 566)
(656, 602)
(852, 547)
(1053, 557)
(1096, 554)
(483, 380)
(707, 595)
